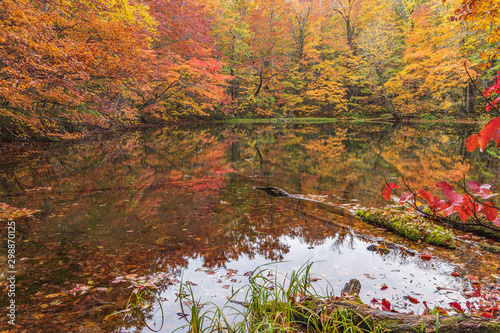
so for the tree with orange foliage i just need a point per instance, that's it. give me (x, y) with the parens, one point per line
(433, 77)
(62, 63)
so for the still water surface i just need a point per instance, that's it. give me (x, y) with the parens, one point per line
(180, 202)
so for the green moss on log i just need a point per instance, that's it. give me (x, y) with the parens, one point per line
(455, 221)
(408, 225)
(489, 247)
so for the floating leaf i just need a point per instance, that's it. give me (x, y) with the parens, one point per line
(455, 306)
(386, 305)
(441, 310)
(413, 300)
(425, 256)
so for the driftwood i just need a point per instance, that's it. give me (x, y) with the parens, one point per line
(332, 208)
(277, 192)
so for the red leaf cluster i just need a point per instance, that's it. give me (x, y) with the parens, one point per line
(384, 305)
(492, 129)
(388, 188)
(465, 205)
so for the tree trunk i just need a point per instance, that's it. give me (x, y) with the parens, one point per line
(396, 114)
(470, 105)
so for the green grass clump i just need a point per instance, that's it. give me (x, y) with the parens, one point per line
(408, 225)
(275, 303)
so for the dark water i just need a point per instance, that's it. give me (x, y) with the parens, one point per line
(180, 203)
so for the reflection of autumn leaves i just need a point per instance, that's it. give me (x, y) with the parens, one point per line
(138, 201)
(328, 149)
(425, 162)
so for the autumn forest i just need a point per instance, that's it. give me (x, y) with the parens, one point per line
(249, 166)
(67, 66)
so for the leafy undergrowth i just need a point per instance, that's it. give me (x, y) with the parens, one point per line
(409, 225)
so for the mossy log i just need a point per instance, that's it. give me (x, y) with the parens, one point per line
(470, 225)
(408, 225)
(406, 323)
(395, 322)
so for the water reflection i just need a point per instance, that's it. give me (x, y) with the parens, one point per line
(177, 199)
(335, 263)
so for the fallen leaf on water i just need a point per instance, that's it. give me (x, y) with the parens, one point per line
(413, 300)
(455, 274)
(384, 287)
(226, 286)
(472, 278)
(118, 279)
(425, 256)
(386, 305)
(441, 310)
(203, 269)
(486, 315)
(455, 306)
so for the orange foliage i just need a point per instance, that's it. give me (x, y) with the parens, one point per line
(434, 65)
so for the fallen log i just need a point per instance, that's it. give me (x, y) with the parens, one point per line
(406, 323)
(408, 225)
(367, 317)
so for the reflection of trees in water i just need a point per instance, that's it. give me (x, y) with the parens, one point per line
(342, 240)
(189, 193)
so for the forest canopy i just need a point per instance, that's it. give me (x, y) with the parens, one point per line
(67, 66)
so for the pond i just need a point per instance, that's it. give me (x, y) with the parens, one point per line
(163, 205)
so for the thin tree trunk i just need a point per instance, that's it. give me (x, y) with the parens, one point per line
(396, 114)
